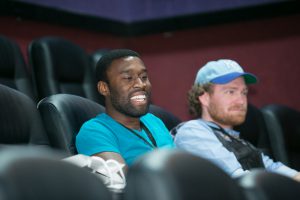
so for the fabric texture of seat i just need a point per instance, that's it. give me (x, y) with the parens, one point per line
(60, 66)
(263, 185)
(14, 72)
(255, 131)
(169, 119)
(36, 174)
(283, 124)
(169, 174)
(20, 120)
(63, 115)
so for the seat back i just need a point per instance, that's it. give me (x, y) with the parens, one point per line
(96, 55)
(283, 124)
(255, 131)
(168, 174)
(169, 119)
(20, 120)
(60, 66)
(35, 174)
(263, 185)
(63, 115)
(94, 58)
(14, 72)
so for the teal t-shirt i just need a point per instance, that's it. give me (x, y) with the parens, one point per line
(104, 134)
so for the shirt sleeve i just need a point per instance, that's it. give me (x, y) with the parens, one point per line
(94, 138)
(277, 167)
(199, 139)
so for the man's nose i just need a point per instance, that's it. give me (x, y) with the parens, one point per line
(139, 82)
(241, 99)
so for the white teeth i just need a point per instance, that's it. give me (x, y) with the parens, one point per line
(139, 97)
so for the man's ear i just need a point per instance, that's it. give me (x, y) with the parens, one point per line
(103, 88)
(204, 99)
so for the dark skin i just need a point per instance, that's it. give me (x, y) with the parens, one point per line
(127, 96)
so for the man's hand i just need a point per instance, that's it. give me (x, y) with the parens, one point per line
(114, 156)
(297, 177)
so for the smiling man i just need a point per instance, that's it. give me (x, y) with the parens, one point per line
(219, 98)
(126, 131)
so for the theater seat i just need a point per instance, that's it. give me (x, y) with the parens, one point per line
(169, 119)
(63, 115)
(169, 174)
(283, 124)
(37, 174)
(20, 121)
(13, 71)
(94, 58)
(60, 66)
(96, 55)
(255, 131)
(263, 185)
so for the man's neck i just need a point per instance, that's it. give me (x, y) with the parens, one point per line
(129, 122)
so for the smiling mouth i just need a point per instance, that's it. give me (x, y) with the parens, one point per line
(139, 98)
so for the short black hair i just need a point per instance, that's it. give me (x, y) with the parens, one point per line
(105, 61)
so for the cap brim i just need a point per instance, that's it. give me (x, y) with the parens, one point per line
(249, 78)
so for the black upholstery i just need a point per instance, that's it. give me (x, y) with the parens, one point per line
(94, 58)
(20, 120)
(168, 174)
(168, 118)
(59, 66)
(35, 174)
(96, 55)
(283, 124)
(254, 130)
(263, 185)
(14, 72)
(63, 115)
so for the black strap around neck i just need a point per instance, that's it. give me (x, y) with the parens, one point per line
(219, 128)
(149, 134)
(248, 155)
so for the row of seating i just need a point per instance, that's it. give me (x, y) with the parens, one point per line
(164, 174)
(55, 120)
(56, 65)
(60, 66)
(57, 117)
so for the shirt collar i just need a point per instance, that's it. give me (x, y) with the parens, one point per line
(229, 131)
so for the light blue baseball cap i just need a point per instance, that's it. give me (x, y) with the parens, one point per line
(221, 72)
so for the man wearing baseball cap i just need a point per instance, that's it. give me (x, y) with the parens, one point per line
(219, 98)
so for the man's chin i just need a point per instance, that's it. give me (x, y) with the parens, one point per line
(238, 121)
(139, 111)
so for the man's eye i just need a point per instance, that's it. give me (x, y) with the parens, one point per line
(144, 78)
(229, 92)
(245, 93)
(128, 78)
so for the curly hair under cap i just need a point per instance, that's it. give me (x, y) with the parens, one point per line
(193, 94)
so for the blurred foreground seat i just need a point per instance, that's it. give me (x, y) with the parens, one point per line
(20, 120)
(169, 174)
(263, 185)
(37, 174)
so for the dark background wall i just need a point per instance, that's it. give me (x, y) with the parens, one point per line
(267, 47)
